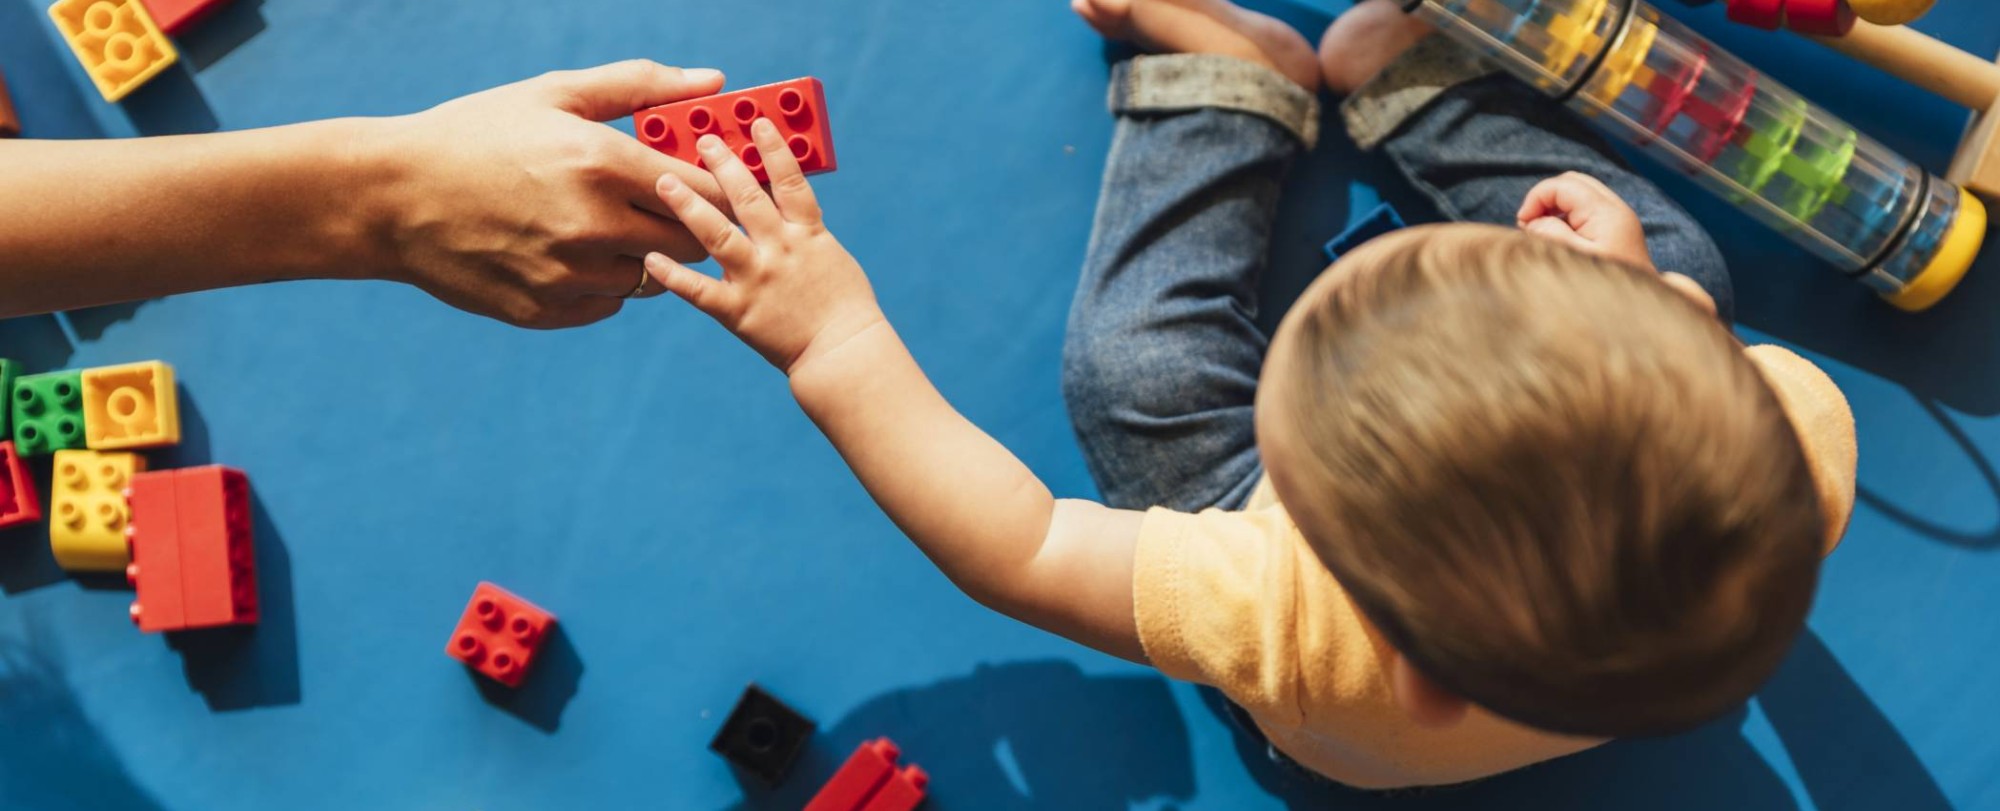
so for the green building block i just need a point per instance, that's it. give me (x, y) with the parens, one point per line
(48, 412)
(8, 369)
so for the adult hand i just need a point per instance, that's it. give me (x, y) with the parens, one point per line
(1579, 210)
(516, 203)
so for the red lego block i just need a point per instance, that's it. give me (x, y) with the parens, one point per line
(177, 16)
(194, 561)
(870, 781)
(153, 537)
(19, 503)
(218, 559)
(499, 634)
(798, 107)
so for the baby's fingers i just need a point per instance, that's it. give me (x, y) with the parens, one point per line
(714, 297)
(715, 232)
(788, 183)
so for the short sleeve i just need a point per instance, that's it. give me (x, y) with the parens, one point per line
(1825, 425)
(1216, 599)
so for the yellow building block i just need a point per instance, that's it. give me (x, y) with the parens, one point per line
(116, 40)
(87, 510)
(130, 406)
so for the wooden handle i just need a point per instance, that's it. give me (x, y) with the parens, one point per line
(1922, 61)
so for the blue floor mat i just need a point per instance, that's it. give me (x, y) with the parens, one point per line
(649, 481)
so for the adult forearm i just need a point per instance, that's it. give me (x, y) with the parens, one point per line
(92, 222)
(961, 496)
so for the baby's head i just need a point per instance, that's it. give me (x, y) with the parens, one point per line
(1555, 483)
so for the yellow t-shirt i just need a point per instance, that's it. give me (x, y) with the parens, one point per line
(1238, 600)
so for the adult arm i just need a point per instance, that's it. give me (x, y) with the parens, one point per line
(513, 203)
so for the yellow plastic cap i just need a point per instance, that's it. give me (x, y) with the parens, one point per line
(1954, 257)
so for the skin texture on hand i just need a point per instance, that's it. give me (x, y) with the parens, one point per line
(514, 203)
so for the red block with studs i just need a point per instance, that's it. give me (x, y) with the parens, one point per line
(19, 503)
(175, 17)
(797, 107)
(871, 781)
(499, 634)
(193, 555)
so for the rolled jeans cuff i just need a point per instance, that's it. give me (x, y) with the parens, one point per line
(1407, 86)
(1179, 82)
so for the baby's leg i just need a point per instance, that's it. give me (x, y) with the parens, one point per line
(1475, 141)
(1160, 367)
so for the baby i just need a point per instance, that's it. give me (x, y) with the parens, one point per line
(1492, 495)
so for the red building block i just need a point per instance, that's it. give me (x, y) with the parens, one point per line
(19, 503)
(870, 781)
(194, 559)
(798, 107)
(153, 536)
(218, 558)
(499, 634)
(177, 16)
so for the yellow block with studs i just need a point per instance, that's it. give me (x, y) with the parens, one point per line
(130, 406)
(116, 40)
(87, 509)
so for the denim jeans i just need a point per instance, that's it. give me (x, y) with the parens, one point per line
(1163, 351)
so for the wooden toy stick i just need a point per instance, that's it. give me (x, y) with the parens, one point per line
(1920, 60)
(10, 124)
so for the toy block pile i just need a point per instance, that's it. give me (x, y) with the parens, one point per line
(124, 43)
(182, 537)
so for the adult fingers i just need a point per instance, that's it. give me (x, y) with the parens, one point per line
(715, 232)
(747, 200)
(640, 232)
(613, 276)
(716, 298)
(789, 188)
(636, 169)
(622, 88)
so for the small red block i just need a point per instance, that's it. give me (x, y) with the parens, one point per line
(499, 634)
(870, 781)
(1825, 18)
(19, 503)
(797, 107)
(1765, 14)
(177, 16)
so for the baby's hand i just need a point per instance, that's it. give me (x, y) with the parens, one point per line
(788, 289)
(1579, 210)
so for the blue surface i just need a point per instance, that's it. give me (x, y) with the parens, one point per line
(693, 532)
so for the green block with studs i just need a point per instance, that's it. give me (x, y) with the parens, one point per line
(9, 369)
(48, 412)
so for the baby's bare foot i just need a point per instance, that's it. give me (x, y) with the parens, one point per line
(1207, 27)
(1364, 40)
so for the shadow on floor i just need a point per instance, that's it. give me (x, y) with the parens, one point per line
(1845, 751)
(52, 755)
(241, 667)
(1022, 735)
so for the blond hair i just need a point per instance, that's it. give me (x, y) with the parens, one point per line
(1556, 485)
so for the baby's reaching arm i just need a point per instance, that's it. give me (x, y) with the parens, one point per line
(790, 291)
